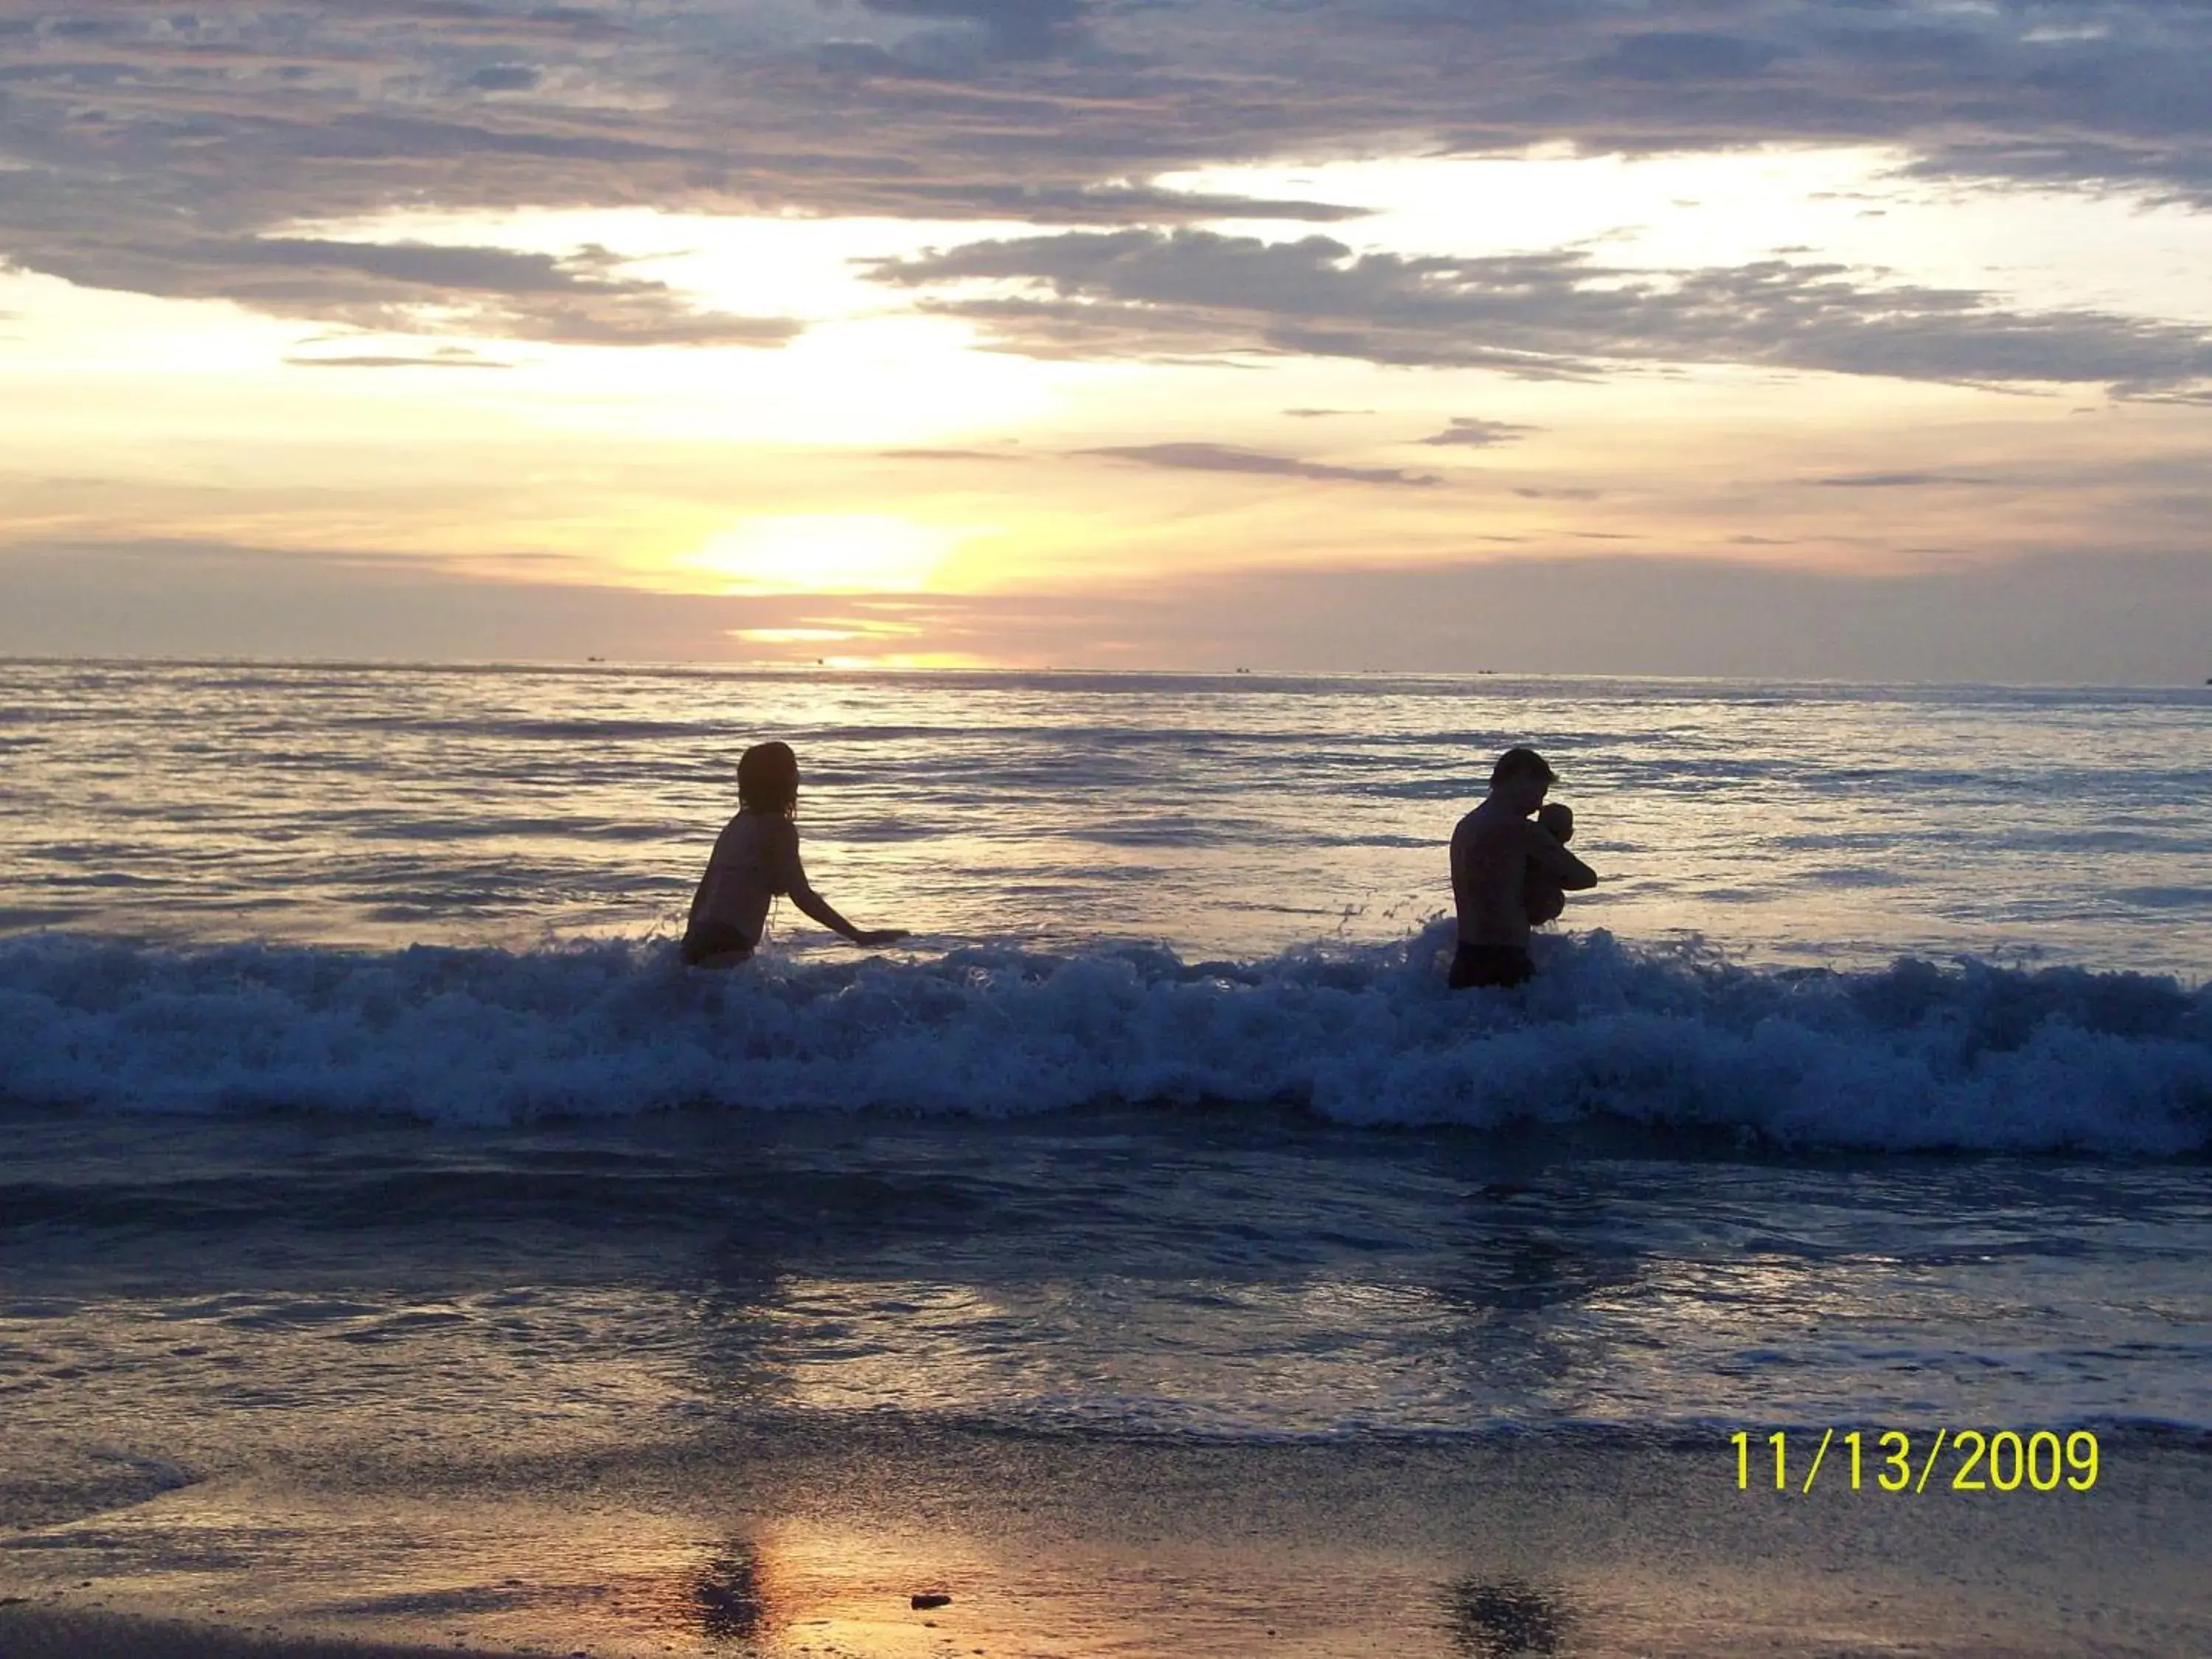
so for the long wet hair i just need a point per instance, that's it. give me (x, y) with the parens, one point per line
(767, 779)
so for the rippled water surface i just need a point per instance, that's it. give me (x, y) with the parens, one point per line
(1221, 1276)
(1235, 816)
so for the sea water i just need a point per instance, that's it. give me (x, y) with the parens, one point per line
(352, 1096)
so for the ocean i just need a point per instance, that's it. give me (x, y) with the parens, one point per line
(1149, 1253)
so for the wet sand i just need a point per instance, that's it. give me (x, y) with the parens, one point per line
(37, 1633)
(796, 1541)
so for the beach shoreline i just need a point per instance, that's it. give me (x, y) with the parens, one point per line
(783, 1543)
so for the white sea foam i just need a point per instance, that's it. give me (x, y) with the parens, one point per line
(1968, 1055)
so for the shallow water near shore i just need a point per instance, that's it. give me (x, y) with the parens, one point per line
(1128, 1381)
(1204, 1273)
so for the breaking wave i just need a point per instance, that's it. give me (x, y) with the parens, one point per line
(1967, 1055)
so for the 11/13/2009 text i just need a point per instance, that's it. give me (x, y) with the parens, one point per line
(2003, 1460)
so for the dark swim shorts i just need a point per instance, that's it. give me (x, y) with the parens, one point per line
(712, 940)
(1489, 964)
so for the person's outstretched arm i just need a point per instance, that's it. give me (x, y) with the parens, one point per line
(791, 878)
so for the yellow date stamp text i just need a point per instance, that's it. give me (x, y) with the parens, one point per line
(1892, 1460)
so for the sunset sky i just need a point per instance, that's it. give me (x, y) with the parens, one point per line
(1866, 339)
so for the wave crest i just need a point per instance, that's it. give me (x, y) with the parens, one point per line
(1968, 1055)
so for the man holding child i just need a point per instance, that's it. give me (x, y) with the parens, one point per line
(1510, 872)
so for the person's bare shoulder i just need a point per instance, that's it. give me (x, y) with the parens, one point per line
(728, 838)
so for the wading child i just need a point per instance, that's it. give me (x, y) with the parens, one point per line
(754, 859)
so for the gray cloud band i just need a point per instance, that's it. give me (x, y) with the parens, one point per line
(416, 287)
(2103, 616)
(1226, 458)
(135, 138)
(1137, 293)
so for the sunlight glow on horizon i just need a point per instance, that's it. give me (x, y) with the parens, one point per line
(825, 553)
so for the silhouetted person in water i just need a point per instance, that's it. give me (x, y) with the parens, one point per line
(755, 858)
(1508, 873)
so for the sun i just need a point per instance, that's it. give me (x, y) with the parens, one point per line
(826, 553)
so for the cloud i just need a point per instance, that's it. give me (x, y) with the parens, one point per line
(2157, 169)
(1222, 457)
(197, 598)
(128, 127)
(1895, 480)
(2085, 615)
(434, 360)
(506, 77)
(1112, 203)
(1557, 314)
(1016, 29)
(1012, 16)
(1673, 55)
(1478, 433)
(415, 287)
(948, 455)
